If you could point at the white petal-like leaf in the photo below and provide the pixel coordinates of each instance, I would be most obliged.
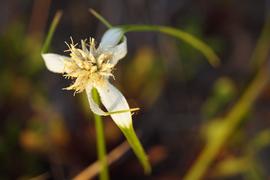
(93, 105)
(110, 38)
(119, 51)
(54, 62)
(113, 100)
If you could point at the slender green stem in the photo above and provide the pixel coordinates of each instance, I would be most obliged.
(50, 34)
(101, 18)
(260, 53)
(101, 146)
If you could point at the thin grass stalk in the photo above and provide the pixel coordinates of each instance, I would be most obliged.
(101, 145)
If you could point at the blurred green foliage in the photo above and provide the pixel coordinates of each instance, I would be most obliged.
(224, 91)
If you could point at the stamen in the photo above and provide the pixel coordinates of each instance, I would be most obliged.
(87, 65)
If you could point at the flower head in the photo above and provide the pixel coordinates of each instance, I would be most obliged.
(91, 67)
(88, 66)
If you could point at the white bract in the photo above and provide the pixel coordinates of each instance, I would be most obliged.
(91, 68)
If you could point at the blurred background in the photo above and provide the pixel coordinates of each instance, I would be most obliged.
(47, 133)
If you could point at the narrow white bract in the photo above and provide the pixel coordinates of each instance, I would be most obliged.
(90, 67)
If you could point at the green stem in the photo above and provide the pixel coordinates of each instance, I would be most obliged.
(101, 18)
(50, 34)
(101, 146)
(260, 53)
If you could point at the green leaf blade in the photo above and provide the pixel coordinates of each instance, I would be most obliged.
(137, 148)
(207, 51)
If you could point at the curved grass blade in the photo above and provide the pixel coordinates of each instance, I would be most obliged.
(212, 58)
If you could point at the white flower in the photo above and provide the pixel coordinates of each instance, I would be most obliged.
(92, 68)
